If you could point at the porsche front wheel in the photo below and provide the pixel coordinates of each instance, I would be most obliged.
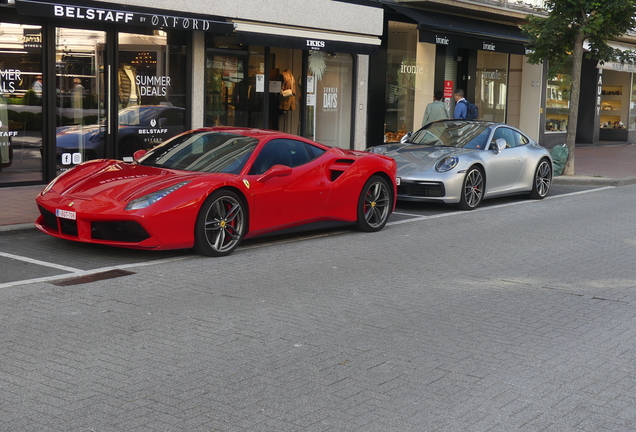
(472, 190)
(220, 225)
(542, 180)
(374, 204)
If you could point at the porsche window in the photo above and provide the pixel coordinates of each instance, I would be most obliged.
(453, 134)
(512, 137)
(204, 151)
(286, 152)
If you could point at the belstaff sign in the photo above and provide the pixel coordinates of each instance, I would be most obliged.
(105, 15)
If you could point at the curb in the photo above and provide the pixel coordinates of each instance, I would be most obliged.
(16, 227)
(581, 180)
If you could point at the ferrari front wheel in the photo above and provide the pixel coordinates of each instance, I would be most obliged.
(472, 190)
(374, 204)
(220, 225)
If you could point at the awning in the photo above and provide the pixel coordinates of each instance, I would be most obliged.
(443, 29)
(297, 38)
(98, 12)
(616, 66)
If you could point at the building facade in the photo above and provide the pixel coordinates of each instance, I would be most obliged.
(431, 46)
(81, 80)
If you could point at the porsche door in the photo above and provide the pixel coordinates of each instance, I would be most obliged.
(504, 169)
(284, 196)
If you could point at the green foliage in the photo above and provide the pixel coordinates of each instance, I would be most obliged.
(597, 21)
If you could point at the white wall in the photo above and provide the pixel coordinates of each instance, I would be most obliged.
(318, 14)
(532, 87)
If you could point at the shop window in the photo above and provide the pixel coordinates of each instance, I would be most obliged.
(329, 98)
(615, 98)
(80, 97)
(402, 70)
(491, 88)
(21, 89)
(151, 81)
(557, 103)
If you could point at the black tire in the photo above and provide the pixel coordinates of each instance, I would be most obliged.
(220, 225)
(542, 180)
(374, 204)
(472, 192)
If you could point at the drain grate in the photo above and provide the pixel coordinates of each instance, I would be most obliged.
(110, 274)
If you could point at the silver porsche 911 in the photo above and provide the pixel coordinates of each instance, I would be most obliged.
(467, 161)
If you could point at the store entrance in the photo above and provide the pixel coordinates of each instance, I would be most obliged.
(81, 98)
(143, 81)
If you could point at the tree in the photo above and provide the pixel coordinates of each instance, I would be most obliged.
(571, 23)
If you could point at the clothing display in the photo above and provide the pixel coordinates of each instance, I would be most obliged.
(288, 85)
(128, 88)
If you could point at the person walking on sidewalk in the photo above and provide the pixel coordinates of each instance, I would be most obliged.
(436, 110)
(460, 108)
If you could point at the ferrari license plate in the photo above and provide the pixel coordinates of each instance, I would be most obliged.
(65, 214)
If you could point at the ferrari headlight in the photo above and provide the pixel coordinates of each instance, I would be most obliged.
(49, 186)
(447, 164)
(151, 198)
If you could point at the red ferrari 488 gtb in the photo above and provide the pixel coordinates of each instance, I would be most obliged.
(209, 188)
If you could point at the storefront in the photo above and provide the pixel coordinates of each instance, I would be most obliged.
(425, 51)
(607, 104)
(85, 82)
(80, 81)
(284, 79)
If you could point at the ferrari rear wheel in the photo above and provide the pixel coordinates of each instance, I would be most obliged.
(542, 180)
(472, 190)
(374, 205)
(220, 225)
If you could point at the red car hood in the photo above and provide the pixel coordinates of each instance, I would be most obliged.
(122, 182)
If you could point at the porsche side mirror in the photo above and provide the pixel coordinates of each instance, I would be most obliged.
(275, 171)
(139, 154)
(500, 144)
(407, 136)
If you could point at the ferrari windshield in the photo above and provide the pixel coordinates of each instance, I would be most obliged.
(204, 151)
(453, 133)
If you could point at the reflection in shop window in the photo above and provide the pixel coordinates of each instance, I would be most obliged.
(491, 91)
(20, 103)
(329, 96)
(557, 103)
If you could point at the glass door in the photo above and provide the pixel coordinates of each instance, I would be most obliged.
(228, 90)
(81, 96)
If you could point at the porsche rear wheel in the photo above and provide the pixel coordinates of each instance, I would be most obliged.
(220, 225)
(472, 190)
(374, 205)
(542, 180)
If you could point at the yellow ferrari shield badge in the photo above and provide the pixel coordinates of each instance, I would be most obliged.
(247, 184)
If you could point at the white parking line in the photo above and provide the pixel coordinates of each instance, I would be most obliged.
(77, 272)
(38, 262)
(420, 217)
(73, 272)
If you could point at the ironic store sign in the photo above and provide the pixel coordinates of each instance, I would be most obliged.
(105, 15)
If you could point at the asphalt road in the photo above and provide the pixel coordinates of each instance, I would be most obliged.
(517, 316)
(32, 256)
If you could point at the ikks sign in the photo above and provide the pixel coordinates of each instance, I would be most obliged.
(105, 15)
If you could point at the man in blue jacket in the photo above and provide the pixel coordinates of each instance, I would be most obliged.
(460, 108)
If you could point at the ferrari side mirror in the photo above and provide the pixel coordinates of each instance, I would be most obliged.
(139, 154)
(275, 171)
